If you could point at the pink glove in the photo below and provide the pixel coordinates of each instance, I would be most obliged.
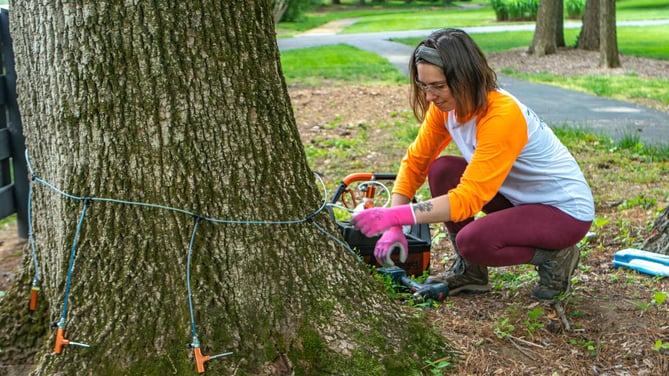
(390, 240)
(374, 221)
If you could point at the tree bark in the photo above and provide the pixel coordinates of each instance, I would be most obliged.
(588, 39)
(559, 25)
(544, 40)
(608, 48)
(658, 240)
(169, 125)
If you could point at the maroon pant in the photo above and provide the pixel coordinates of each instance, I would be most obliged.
(507, 234)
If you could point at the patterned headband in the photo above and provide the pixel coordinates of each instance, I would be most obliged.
(429, 55)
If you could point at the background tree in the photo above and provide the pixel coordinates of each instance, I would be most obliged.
(544, 41)
(183, 106)
(608, 39)
(588, 38)
(295, 10)
(559, 25)
(658, 240)
(278, 9)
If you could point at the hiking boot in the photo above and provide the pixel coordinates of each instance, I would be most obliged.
(555, 269)
(462, 276)
(457, 267)
(472, 280)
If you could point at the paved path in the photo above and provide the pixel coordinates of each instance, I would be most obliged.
(555, 105)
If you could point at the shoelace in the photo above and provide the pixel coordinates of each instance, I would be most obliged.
(458, 266)
(545, 271)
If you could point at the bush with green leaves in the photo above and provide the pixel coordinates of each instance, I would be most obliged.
(295, 10)
(515, 10)
(526, 10)
(574, 8)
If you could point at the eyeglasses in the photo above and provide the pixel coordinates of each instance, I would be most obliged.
(435, 88)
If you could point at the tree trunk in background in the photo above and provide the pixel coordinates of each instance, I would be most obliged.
(559, 25)
(658, 241)
(544, 40)
(278, 9)
(588, 39)
(608, 47)
(183, 105)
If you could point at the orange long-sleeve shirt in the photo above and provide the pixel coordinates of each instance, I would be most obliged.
(508, 150)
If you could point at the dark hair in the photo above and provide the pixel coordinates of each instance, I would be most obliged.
(468, 75)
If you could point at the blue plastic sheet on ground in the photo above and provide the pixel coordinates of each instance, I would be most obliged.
(651, 263)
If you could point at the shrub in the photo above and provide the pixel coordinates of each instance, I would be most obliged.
(515, 10)
(574, 8)
(295, 10)
(501, 11)
(526, 10)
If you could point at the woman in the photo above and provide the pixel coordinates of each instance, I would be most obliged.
(537, 202)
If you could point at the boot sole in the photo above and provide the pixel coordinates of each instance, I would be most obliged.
(469, 289)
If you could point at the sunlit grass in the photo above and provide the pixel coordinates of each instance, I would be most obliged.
(642, 10)
(427, 20)
(646, 41)
(621, 87)
(313, 66)
(417, 15)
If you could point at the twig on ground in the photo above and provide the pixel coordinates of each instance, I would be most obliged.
(563, 317)
(521, 349)
(525, 342)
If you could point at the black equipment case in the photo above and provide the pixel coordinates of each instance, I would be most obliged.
(418, 238)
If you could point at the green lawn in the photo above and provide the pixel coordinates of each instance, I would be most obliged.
(344, 63)
(643, 41)
(337, 63)
(397, 15)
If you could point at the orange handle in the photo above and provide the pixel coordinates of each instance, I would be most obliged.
(60, 341)
(33, 298)
(358, 176)
(200, 359)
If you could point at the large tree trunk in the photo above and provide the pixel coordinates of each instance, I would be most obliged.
(608, 48)
(544, 40)
(588, 39)
(559, 25)
(658, 241)
(182, 106)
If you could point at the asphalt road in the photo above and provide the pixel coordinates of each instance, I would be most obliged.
(557, 106)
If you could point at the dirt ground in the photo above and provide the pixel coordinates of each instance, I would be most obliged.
(11, 254)
(613, 324)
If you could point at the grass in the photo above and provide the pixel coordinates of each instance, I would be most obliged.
(418, 15)
(501, 41)
(327, 12)
(642, 10)
(627, 162)
(647, 41)
(344, 62)
(423, 21)
(643, 41)
(338, 62)
(621, 87)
